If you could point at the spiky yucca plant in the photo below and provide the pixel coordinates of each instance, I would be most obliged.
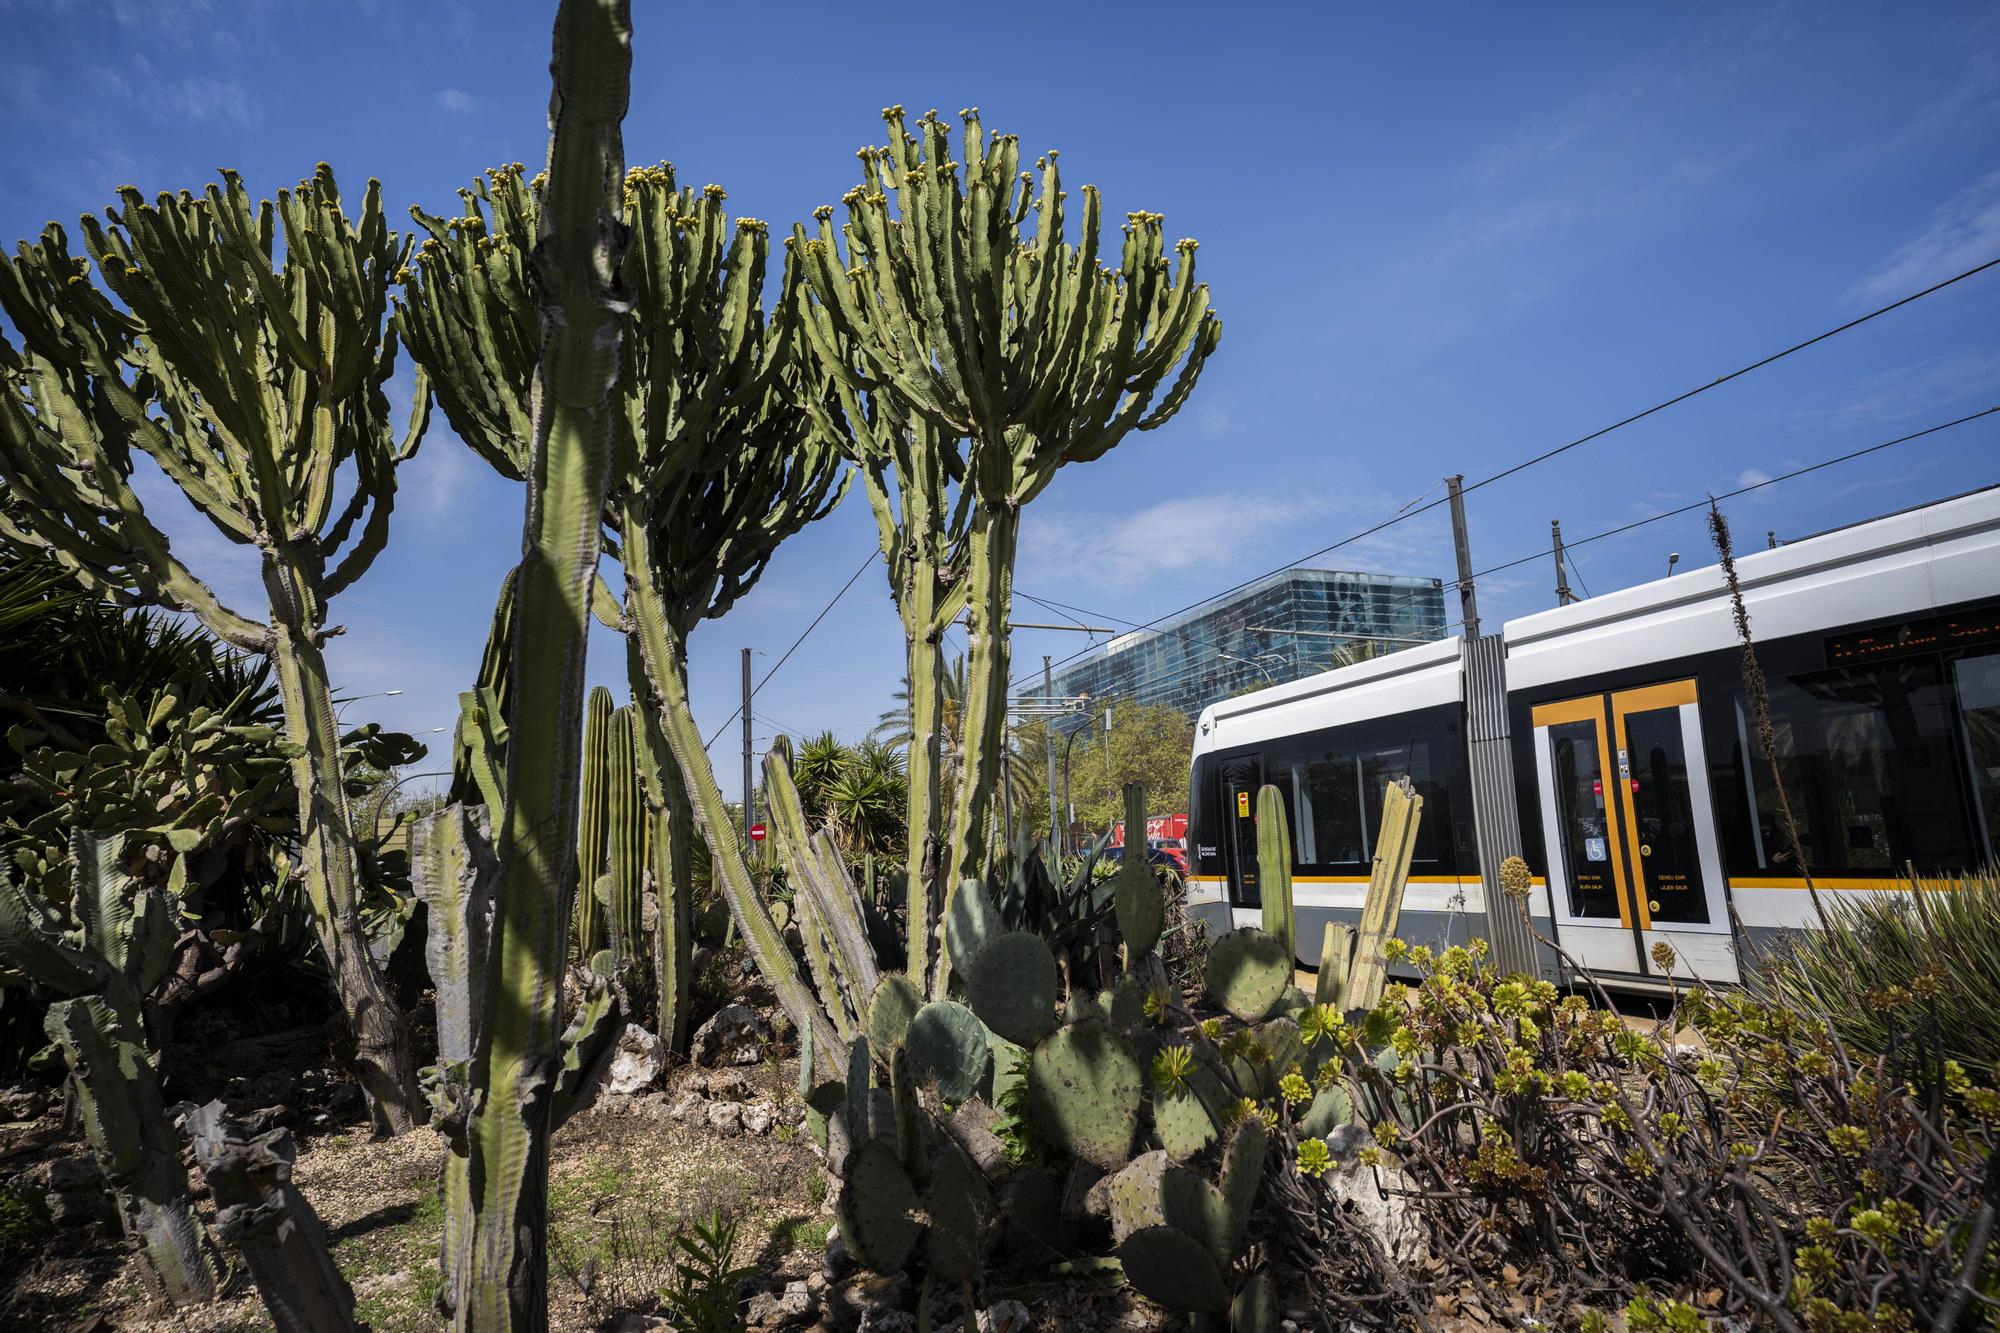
(1884, 956)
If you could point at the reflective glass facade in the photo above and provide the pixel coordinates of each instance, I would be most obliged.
(1268, 633)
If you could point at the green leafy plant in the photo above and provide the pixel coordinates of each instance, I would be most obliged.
(701, 1297)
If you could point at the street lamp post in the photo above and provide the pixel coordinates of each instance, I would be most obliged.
(379, 694)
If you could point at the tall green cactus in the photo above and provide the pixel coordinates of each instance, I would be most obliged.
(716, 462)
(594, 822)
(255, 376)
(622, 889)
(1022, 346)
(1274, 868)
(517, 1069)
(121, 951)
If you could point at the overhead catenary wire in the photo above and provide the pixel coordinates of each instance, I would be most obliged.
(1569, 544)
(737, 711)
(1412, 510)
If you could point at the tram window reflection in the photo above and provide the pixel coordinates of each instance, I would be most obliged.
(1978, 681)
(1865, 759)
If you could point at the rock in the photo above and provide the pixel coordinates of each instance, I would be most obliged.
(851, 1304)
(76, 1194)
(725, 1118)
(774, 1310)
(735, 1036)
(688, 1107)
(728, 1085)
(23, 1103)
(346, 1102)
(889, 1321)
(637, 1063)
(643, 1323)
(695, 1081)
(1006, 1317)
(269, 1118)
(653, 1106)
(758, 1118)
(1396, 1226)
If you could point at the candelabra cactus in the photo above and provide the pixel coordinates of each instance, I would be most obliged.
(716, 465)
(509, 1071)
(106, 967)
(1025, 348)
(255, 375)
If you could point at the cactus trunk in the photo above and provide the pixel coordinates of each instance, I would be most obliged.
(382, 1053)
(924, 770)
(517, 1059)
(665, 655)
(669, 860)
(1274, 867)
(995, 533)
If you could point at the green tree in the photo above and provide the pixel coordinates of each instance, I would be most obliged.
(1149, 743)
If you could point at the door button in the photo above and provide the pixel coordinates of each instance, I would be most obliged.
(1652, 905)
(1645, 849)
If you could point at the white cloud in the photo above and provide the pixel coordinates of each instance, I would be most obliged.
(1962, 232)
(1175, 536)
(1753, 477)
(198, 99)
(457, 102)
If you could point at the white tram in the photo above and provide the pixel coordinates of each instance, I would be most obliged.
(1610, 743)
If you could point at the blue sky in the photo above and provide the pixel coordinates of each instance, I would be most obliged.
(1442, 238)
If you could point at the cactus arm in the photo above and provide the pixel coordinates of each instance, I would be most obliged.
(125, 1122)
(840, 1005)
(593, 822)
(587, 1047)
(262, 1213)
(30, 941)
(664, 654)
(833, 903)
(991, 582)
(626, 827)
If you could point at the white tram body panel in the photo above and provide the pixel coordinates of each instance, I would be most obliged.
(1639, 789)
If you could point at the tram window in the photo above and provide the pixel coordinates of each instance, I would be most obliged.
(1583, 824)
(1978, 680)
(1865, 758)
(1331, 795)
(1379, 768)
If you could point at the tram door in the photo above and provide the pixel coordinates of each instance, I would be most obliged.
(1241, 779)
(1633, 858)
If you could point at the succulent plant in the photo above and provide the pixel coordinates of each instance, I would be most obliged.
(594, 817)
(243, 346)
(1142, 911)
(1248, 973)
(1182, 1235)
(105, 965)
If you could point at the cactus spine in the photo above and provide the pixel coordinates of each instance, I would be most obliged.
(257, 384)
(122, 950)
(594, 821)
(1025, 348)
(1274, 868)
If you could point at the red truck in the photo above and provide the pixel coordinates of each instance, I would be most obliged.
(1165, 834)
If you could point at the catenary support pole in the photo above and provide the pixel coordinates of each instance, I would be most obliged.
(1563, 595)
(749, 790)
(1049, 752)
(1468, 602)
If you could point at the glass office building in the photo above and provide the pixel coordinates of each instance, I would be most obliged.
(1280, 628)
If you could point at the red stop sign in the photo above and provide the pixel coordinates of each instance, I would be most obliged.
(756, 833)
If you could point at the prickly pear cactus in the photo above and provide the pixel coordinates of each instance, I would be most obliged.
(948, 1045)
(1011, 985)
(1248, 973)
(1085, 1089)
